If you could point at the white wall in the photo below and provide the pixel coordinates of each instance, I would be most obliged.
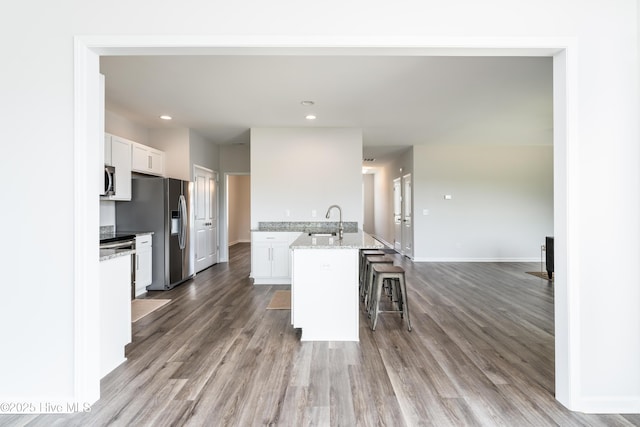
(183, 148)
(202, 153)
(117, 125)
(383, 202)
(501, 207)
(369, 200)
(41, 128)
(107, 213)
(296, 171)
(175, 144)
(235, 158)
(239, 209)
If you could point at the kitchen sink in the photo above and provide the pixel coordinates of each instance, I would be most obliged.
(324, 233)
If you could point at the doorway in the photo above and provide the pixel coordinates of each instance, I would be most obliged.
(87, 51)
(407, 216)
(403, 215)
(238, 191)
(397, 216)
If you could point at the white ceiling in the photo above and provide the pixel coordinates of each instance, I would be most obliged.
(397, 101)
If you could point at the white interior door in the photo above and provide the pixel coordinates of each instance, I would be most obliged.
(407, 217)
(397, 215)
(205, 217)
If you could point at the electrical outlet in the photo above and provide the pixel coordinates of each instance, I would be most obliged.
(314, 213)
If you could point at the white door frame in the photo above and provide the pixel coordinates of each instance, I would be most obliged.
(396, 190)
(407, 232)
(87, 50)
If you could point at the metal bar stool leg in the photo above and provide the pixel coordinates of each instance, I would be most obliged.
(375, 307)
(405, 306)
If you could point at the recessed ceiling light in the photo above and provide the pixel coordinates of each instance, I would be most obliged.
(165, 117)
(307, 103)
(310, 117)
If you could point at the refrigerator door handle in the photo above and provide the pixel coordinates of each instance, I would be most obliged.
(182, 207)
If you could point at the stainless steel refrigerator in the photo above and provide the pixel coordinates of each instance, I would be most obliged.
(163, 206)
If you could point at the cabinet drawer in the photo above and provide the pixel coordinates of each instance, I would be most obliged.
(265, 237)
(274, 236)
(143, 241)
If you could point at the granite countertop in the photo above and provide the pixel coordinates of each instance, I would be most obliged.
(357, 240)
(109, 232)
(113, 235)
(106, 254)
(306, 226)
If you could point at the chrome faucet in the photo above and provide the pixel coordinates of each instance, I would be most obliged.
(340, 227)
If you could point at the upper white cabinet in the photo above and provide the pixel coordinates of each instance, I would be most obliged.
(117, 153)
(147, 160)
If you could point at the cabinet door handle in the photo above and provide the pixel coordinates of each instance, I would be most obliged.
(150, 162)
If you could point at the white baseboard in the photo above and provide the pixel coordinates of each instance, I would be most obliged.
(609, 405)
(239, 241)
(429, 259)
(263, 281)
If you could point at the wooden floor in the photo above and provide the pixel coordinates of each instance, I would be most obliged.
(481, 353)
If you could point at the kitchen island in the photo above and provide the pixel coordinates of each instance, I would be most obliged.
(324, 285)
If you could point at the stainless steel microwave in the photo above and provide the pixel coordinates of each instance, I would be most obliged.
(109, 181)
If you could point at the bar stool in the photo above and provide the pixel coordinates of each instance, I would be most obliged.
(388, 273)
(361, 264)
(365, 289)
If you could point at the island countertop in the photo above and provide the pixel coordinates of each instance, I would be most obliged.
(357, 240)
(106, 254)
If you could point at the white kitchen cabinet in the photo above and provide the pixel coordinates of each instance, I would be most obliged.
(144, 263)
(147, 160)
(270, 257)
(117, 153)
(115, 311)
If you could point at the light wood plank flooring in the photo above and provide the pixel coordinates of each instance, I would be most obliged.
(481, 353)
